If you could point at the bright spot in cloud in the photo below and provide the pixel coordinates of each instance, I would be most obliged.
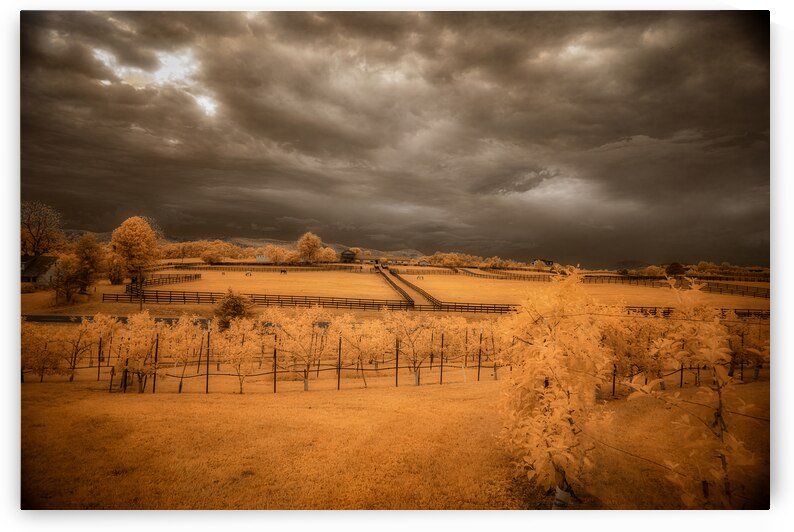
(175, 69)
(207, 104)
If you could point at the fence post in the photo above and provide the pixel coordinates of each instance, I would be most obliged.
(156, 350)
(339, 364)
(201, 350)
(99, 359)
(479, 357)
(432, 334)
(207, 384)
(396, 361)
(614, 376)
(441, 378)
(275, 354)
(110, 349)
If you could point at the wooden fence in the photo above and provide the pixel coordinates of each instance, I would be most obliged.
(507, 276)
(350, 268)
(201, 298)
(396, 287)
(162, 279)
(424, 271)
(443, 306)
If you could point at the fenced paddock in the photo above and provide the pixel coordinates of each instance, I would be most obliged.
(155, 279)
(507, 291)
(307, 283)
(171, 297)
(256, 267)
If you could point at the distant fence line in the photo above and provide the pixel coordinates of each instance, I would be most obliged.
(397, 288)
(651, 282)
(735, 289)
(424, 271)
(183, 297)
(507, 276)
(443, 306)
(352, 268)
(161, 279)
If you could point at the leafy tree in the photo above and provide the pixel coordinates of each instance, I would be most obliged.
(309, 246)
(66, 278)
(141, 341)
(38, 354)
(116, 268)
(77, 342)
(302, 334)
(699, 337)
(276, 254)
(558, 362)
(216, 251)
(232, 306)
(180, 342)
(327, 255)
(237, 345)
(363, 342)
(413, 333)
(90, 260)
(675, 268)
(136, 243)
(41, 228)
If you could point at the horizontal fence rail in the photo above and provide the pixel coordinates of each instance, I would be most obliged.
(75, 319)
(443, 306)
(162, 279)
(424, 271)
(507, 276)
(171, 296)
(397, 288)
(351, 268)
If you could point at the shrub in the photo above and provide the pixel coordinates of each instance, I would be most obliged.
(232, 306)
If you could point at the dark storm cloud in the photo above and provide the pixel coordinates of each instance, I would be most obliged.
(585, 137)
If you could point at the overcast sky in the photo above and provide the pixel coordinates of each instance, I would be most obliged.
(580, 137)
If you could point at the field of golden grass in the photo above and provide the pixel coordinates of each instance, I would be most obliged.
(459, 288)
(295, 283)
(379, 448)
(340, 284)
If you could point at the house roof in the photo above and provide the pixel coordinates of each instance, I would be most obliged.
(35, 266)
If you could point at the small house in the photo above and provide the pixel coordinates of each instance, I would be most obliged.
(347, 256)
(37, 270)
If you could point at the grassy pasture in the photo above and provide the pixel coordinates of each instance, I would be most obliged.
(295, 283)
(357, 285)
(379, 448)
(459, 288)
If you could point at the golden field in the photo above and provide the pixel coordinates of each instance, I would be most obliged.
(428, 447)
(459, 288)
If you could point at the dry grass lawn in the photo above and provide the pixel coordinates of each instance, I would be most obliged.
(378, 448)
(295, 283)
(473, 290)
(390, 448)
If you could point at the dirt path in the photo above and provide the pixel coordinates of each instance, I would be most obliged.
(418, 298)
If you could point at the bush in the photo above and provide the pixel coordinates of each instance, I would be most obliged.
(28, 288)
(232, 306)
